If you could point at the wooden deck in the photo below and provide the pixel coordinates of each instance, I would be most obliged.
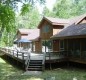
(48, 57)
(21, 56)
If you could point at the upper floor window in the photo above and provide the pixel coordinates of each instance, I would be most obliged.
(46, 28)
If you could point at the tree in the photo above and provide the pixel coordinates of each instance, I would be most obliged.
(69, 8)
(29, 4)
(33, 18)
(7, 13)
(47, 12)
(7, 19)
(29, 20)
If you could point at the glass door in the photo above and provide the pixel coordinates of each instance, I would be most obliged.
(46, 45)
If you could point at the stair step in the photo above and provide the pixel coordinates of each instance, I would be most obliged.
(35, 66)
(34, 69)
(35, 63)
(36, 60)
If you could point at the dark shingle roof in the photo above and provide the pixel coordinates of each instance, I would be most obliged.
(73, 30)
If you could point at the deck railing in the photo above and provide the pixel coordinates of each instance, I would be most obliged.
(27, 61)
(57, 54)
(46, 55)
(14, 53)
(43, 62)
(81, 55)
(74, 54)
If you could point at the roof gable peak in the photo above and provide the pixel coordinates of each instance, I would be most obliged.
(53, 21)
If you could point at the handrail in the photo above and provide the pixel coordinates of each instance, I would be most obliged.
(43, 62)
(27, 61)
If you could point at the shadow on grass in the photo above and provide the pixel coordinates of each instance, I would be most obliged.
(9, 72)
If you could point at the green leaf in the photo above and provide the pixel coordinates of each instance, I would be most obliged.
(25, 9)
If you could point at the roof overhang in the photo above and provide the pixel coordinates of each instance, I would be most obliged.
(53, 22)
(68, 37)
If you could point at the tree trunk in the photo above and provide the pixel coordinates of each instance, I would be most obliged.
(1, 31)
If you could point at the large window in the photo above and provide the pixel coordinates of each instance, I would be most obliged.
(46, 28)
(46, 46)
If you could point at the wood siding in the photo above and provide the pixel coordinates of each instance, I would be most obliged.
(46, 35)
(55, 45)
(53, 29)
(38, 47)
(84, 21)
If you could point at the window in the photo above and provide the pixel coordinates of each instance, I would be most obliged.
(46, 28)
(46, 45)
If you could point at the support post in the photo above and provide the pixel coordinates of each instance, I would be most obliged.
(17, 54)
(23, 56)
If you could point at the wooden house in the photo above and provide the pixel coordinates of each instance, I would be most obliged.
(49, 27)
(35, 38)
(22, 34)
(32, 35)
(73, 40)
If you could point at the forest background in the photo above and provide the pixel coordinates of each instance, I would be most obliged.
(28, 16)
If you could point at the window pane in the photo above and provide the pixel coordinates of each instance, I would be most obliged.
(46, 28)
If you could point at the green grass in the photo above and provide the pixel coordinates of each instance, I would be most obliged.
(8, 72)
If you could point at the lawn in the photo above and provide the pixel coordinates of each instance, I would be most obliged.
(8, 72)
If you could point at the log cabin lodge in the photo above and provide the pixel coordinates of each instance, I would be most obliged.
(55, 40)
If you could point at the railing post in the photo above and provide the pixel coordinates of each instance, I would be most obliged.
(27, 60)
(23, 56)
(17, 54)
(49, 56)
(43, 62)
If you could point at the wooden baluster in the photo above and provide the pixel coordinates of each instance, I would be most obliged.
(43, 62)
(49, 55)
(22, 55)
(17, 54)
(27, 61)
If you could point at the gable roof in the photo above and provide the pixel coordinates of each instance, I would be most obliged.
(25, 31)
(80, 18)
(34, 36)
(76, 19)
(75, 29)
(54, 21)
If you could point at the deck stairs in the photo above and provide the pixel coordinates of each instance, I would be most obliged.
(35, 62)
